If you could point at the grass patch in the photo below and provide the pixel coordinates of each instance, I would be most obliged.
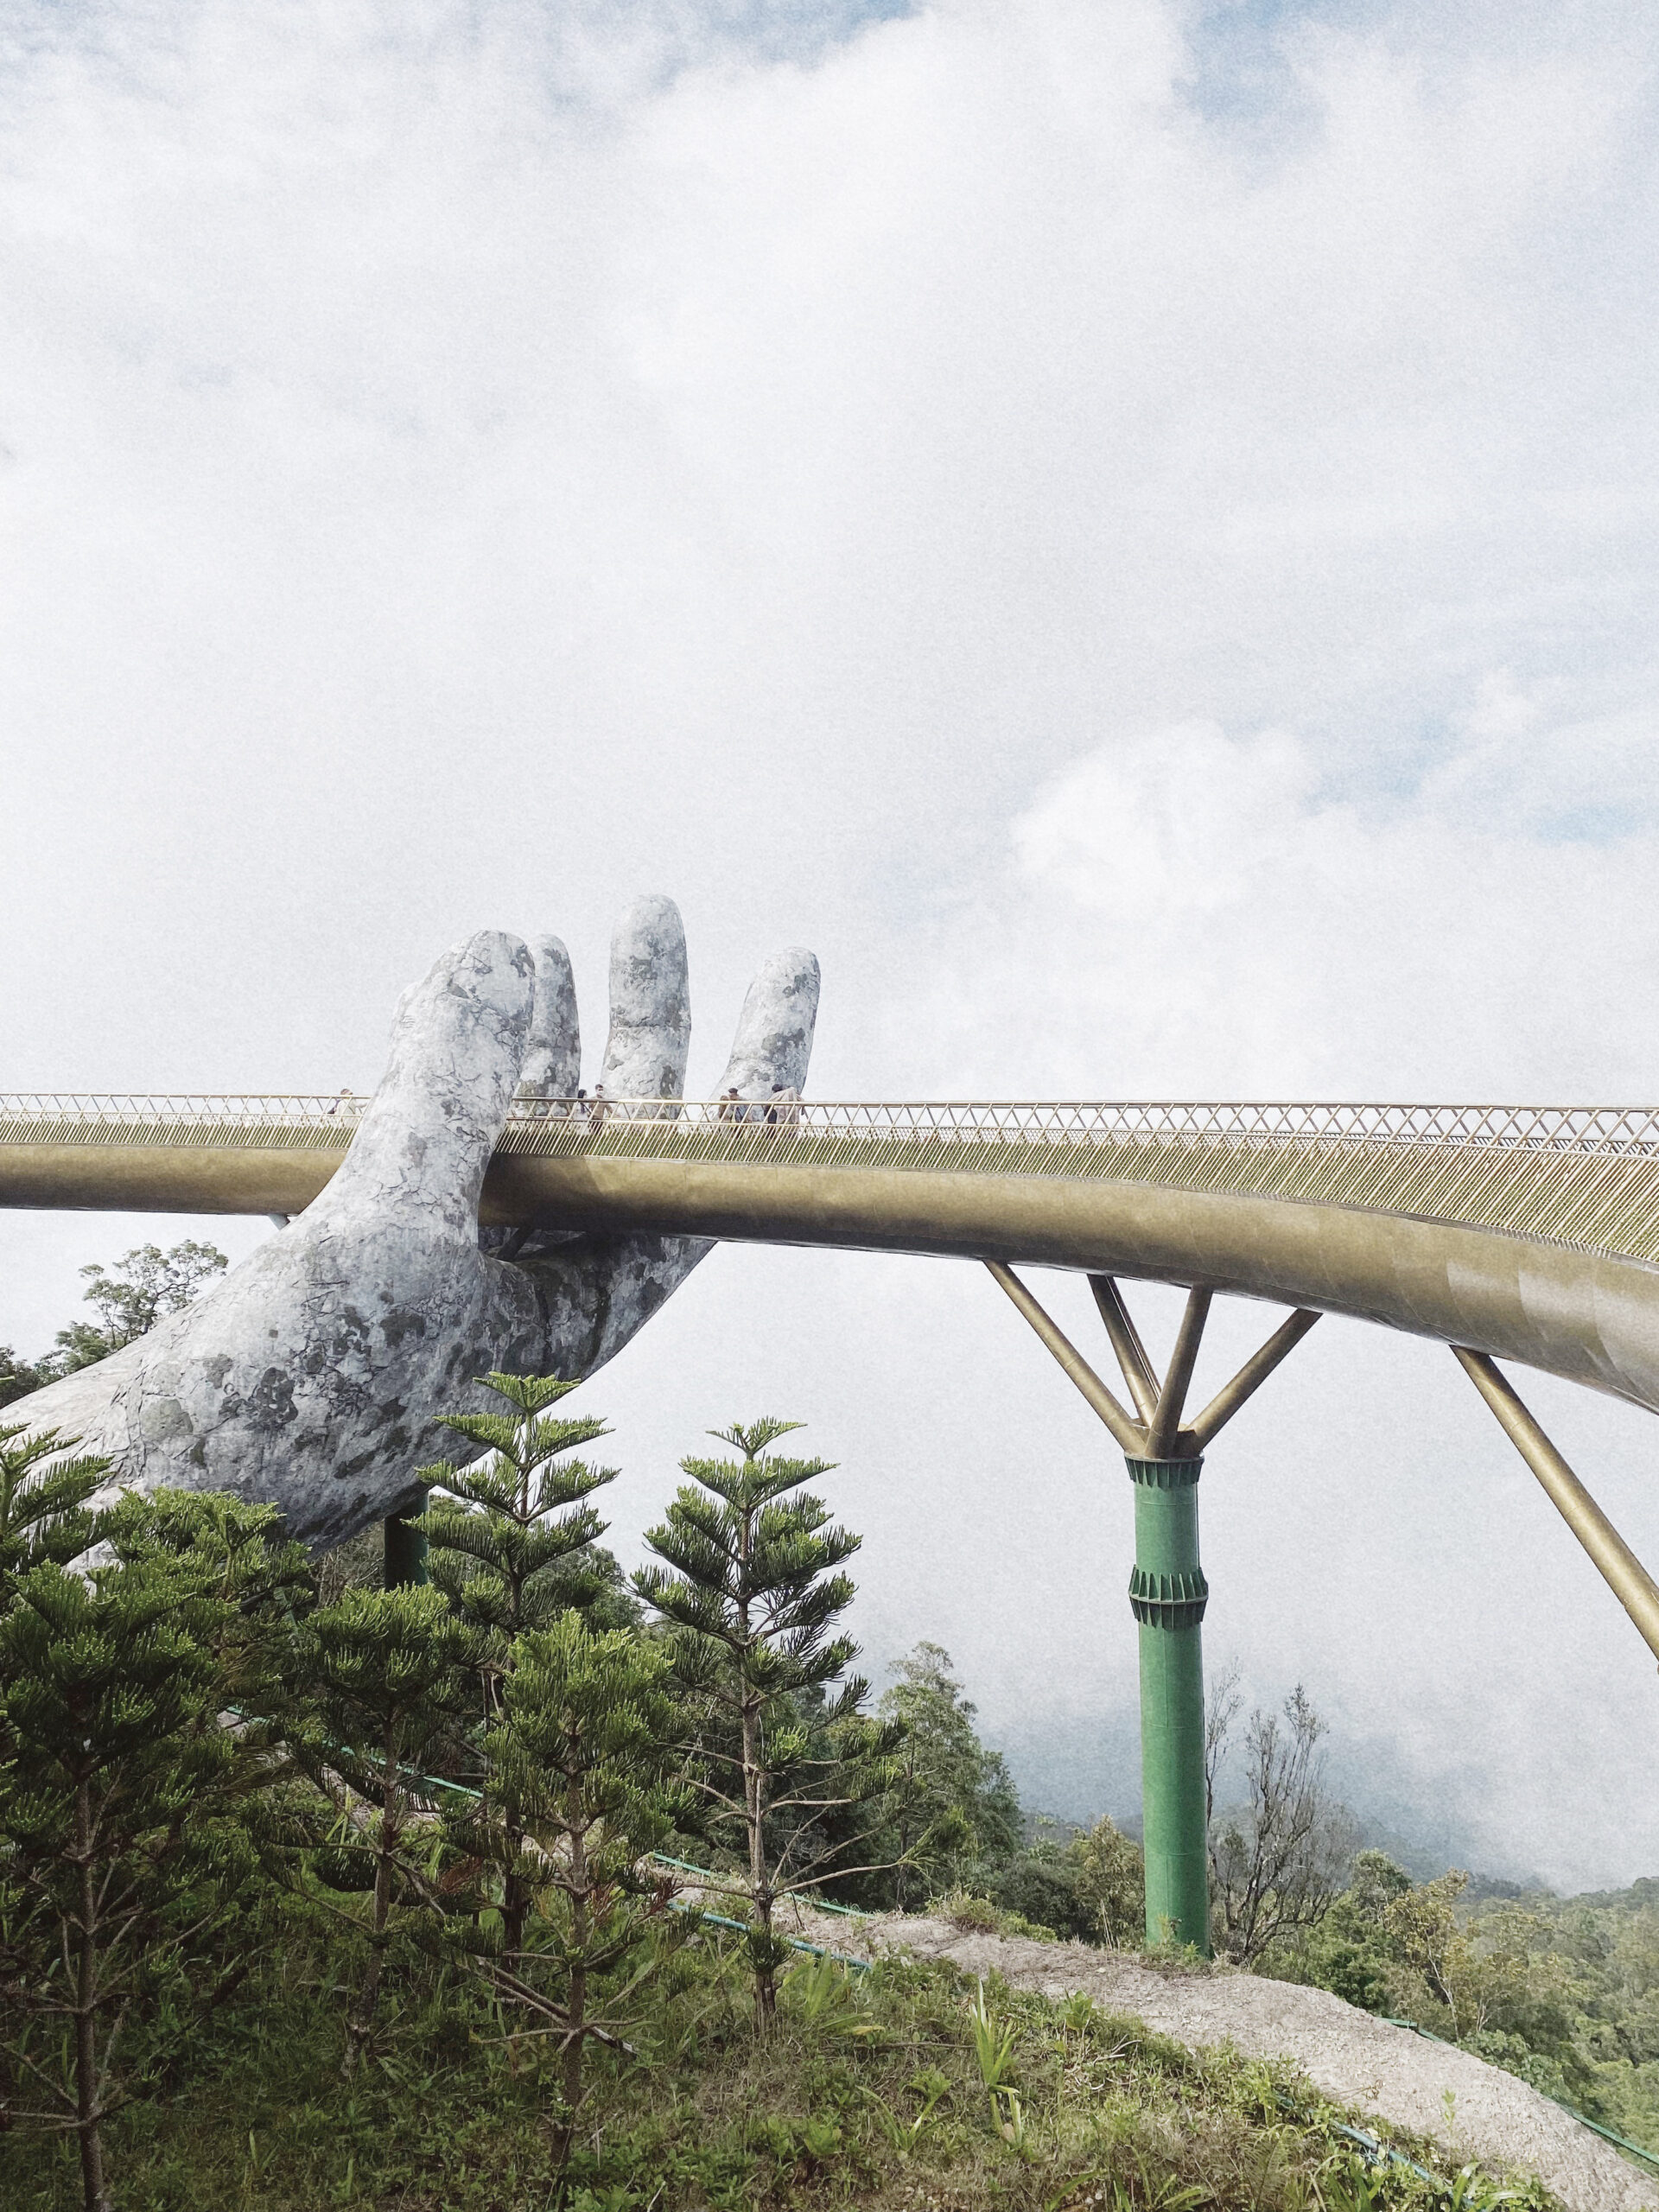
(880, 2090)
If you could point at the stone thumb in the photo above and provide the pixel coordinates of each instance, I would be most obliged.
(457, 1044)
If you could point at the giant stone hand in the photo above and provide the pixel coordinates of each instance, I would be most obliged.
(312, 1375)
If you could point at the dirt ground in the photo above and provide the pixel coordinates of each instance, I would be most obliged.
(1474, 2110)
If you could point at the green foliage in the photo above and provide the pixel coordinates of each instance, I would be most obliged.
(1352, 1952)
(261, 1585)
(963, 1908)
(751, 1589)
(18, 1377)
(821, 1990)
(993, 2041)
(43, 1497)
(1277, 1861)
(952, 1802)
(710, 2119)
(1110, 1878)
(951, 1827)
(128, 1814)
(477, 1939)
(1085, 1886)
(511, 1543)
(581, 1787)
(510, 1537)
(388, 1683)
(143, 1287)
(358, 1563)
(1565, 1995)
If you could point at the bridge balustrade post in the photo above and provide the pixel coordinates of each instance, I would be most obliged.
(1167, 1595)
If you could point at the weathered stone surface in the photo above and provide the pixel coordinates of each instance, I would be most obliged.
(312, 1375)
(552, 1063)
(650, 1004)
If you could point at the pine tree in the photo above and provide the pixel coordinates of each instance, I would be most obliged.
(43, 1496)
(388, 1676)
(754, 1595)
(262, 1586)
(510, 1536)
(581, 1789)
(128, 1815)
(511, 1541)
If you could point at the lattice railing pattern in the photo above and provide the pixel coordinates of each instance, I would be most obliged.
(1582, 1176)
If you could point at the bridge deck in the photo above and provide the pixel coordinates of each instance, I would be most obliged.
(1585, 1178)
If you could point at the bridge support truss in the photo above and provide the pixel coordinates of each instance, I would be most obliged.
(1167, 1590)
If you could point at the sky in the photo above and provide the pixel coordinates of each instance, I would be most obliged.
(1129, 526)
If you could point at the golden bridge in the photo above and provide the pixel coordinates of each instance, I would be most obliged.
(1532, 1233)
(1528, 1234)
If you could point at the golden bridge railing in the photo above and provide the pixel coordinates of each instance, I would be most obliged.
(1586, 1177)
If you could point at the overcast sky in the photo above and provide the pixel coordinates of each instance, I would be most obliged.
(1127, 525)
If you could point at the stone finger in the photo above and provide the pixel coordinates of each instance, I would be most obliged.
(552, 1063)
(773, 1043)
(650, 1003)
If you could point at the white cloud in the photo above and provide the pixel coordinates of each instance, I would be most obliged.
(1193, 914)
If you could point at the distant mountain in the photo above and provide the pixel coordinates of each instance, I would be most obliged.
(1074, 1768)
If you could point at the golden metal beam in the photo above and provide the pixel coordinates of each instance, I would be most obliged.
(1591, 1316)
(1127, 1434)
(1625, 1574)
(164, 1179)
(1250, 1378)
(1172, 1399)
(1126, 1343)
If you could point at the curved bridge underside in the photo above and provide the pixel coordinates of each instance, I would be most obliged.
(1531, 1234)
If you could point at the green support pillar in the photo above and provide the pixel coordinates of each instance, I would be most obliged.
(1167, 1595)
(1167, 1590)
(406, 1554)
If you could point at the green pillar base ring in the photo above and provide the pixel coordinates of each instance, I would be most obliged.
(1164, 1474)
(1168, 1600)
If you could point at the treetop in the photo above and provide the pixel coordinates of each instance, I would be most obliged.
(532, 1394)
(753, 1438)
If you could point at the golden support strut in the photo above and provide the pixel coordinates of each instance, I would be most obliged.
(1172, 1399)
(1126, 1343)
(1126, 1431)
(1158, 1434)
(1250, 1378)
(1625, 1574)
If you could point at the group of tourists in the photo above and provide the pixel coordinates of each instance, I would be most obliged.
(782, 1109)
